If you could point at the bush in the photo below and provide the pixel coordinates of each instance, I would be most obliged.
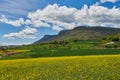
(115, 39)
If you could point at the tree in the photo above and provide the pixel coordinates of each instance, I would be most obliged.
(115, 39)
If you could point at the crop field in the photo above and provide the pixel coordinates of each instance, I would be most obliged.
(102, 67)
(39, 52)
(1, 52)
(19, 51)
(71, 48)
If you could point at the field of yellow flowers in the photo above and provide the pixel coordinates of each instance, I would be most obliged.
(102, 67)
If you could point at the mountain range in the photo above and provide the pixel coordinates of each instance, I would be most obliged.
(81, 33)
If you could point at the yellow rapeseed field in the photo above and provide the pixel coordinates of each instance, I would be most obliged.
(19, 51)
(102, 67)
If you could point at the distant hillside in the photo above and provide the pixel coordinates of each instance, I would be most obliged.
(45, 39)
(81, 33)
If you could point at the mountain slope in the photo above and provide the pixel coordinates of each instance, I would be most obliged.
(82, 33)
(45, 39)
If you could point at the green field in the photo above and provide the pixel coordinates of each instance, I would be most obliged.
(1, 52)
(58, 49)
(36, 53)
(102, 67)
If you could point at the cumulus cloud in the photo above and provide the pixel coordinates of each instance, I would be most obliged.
(58, 15)
(113, 1)
(63, 17)
(37, 23)
(17, 23)
(56, 27)
(68, 18)
(26, 33)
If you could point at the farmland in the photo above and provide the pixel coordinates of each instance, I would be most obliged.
(56, 49)
(60, 40)
(39, 53)
(102, 67)
(81, 60)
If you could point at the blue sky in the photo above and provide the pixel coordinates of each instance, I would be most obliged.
(26, 21)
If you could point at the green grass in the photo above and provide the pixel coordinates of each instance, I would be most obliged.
(78, 44)
(103, 67)
(35, 53)
(1, 52)
(84, 44)
(73, 48)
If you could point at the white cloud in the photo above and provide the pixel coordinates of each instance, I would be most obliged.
(37, 23)
(58, 15)
(26, 33)
(62, 17)
(113, 1)
(57, 28)
(68, 18)
(17, 23)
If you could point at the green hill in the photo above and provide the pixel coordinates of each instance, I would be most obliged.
(81, 33)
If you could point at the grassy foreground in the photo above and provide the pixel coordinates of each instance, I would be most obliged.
(102, 67)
